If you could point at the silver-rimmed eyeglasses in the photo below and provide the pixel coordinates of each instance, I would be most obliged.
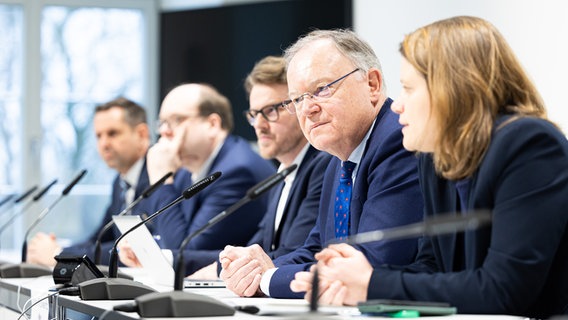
(172, 122)
(321, 92)
(269, 113)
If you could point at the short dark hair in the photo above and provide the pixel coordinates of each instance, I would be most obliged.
(134, 114)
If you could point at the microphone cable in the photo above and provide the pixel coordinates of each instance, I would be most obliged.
(23, 313)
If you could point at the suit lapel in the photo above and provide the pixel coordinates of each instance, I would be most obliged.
(143, 181)
(270, 236)
(275, 236)
(448, 242)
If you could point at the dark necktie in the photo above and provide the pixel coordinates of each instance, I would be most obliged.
(343, 200)
(124, 186)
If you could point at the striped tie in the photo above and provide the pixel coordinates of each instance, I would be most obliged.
(124, 186)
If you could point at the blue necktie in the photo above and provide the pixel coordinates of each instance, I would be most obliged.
(343, 200)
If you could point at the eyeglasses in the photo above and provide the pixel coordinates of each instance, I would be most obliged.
(319, 93)
(269, 113)
(172, 122)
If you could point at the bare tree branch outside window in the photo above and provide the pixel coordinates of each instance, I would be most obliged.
(89, 56)
(10, 94)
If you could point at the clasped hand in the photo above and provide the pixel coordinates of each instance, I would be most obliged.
(344, 275)
(242, 269)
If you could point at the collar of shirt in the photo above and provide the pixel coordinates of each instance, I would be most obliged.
(298, 160)
(288, 181)
(133, 174)
(358, 153)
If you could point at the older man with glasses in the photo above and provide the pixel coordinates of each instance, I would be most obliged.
(195, 125)
(337, 92)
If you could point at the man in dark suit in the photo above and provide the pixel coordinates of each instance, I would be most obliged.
(337, 92)
(123, 139)
(195, 125)
(293, 205)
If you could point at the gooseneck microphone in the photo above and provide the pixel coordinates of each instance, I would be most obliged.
(430, 226)
(3, 273)
(19, 199)
(190, 192)
(113, 288)
(48, 209)
(7, 199)
(44, 190)
(27, 270)
(22, 198)
(178, 303)
(25, 194)
(145, 194)
(253, 193)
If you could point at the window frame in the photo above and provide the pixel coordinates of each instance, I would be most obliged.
(30, 127)
(31, 87)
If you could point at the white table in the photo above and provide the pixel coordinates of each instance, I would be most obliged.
(15, 292)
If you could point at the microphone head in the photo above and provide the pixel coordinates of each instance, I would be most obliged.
(289, 170)
(44, 190)
(265, 185)
(146, 193)
(74, 182)
(25, 194)
(6, 199)
(200, 185)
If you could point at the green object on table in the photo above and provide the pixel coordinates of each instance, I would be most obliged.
(405, 314)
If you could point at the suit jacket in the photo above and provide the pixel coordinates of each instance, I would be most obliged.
(241, 168)
(107, 240)
(386, 194)
(301, 209)
(300, 212)
(519, 264)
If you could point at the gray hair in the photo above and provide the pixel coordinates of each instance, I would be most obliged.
(346, 41)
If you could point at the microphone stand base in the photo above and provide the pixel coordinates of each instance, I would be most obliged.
(23, 270)
(112, 289)
(180, 304)
(120, 274)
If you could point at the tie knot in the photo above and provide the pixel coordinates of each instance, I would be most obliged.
(348, 167)
(124, 185)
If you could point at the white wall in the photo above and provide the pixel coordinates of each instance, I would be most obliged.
(536, 30)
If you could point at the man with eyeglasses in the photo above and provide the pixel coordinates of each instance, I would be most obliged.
(195, 125)
(123, 138)
(337, 91)
(292, 209)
